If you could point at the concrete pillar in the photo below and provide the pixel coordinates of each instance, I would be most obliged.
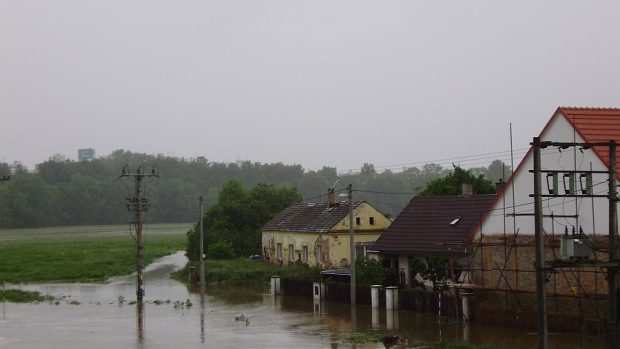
(403, 265)
(391, 297)
(375, 317)
(391, 319)
(317, 291)
(316, 306)
(275, 285)
(374, 295)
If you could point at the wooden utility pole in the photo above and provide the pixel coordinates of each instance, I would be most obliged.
(202, 252)
(138, 203)
(612, 271)
(352, 246)
(540, 250)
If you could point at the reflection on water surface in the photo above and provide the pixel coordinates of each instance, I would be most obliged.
(240, 317)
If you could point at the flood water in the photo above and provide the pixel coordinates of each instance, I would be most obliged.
(100, 316)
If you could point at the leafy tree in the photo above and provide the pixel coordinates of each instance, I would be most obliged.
(237, 217)
(66, 192)
(496, 171)
(453, 182)
(434, 269)
(221, 250)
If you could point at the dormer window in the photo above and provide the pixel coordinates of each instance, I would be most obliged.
(455, 221)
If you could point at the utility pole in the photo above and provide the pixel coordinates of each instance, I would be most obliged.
(612, 271)
(138, 203)
(540, 250)
(352, 246)
(571, 190)
(202, 252)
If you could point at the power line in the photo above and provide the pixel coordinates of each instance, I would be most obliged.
(500, 155)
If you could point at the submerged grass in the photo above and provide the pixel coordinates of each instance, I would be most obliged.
(243, 271)
(461, 345)
(19, 296)
(91, 256)
(390, 340)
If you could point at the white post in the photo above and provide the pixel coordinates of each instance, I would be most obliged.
(465, 302)
(391, 297)
(275, 285)
(403, 265)
(375, 317)
(374, 295)
(389, 301)
(391, 319)
(316, 291)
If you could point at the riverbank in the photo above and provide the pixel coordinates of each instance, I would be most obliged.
(79, 254)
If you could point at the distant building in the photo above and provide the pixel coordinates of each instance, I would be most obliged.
(317, 234)
(86, 154)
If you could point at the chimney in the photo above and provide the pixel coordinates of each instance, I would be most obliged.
(499, 186)
(467, 189)
(330, 197)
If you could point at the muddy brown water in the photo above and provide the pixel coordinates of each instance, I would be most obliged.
(95, 316)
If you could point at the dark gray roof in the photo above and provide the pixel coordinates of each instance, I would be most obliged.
(309, 217)
(424, 227)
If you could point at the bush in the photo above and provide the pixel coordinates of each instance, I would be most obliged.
(221, 250)
(369, 271)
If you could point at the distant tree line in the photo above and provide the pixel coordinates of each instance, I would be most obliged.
(65, 192)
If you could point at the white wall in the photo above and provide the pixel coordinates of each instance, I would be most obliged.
(559, 130)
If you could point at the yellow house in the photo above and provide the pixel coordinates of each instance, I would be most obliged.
(318, 233)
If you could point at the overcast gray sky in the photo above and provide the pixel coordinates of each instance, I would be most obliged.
(312, 82)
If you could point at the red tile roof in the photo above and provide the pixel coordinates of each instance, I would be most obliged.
(424, 227)
(596, 125)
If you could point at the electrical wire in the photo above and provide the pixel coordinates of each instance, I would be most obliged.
(466, 160)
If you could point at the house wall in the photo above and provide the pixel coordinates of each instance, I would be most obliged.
(364, 211)
(334, 244)
(593, 220)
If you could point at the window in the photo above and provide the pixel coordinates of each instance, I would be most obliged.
(371, 220)
(304, 254)
(291, 253)
(360, 251)
(455, 221)
(279, 252)
(318, 251)
(358, 220)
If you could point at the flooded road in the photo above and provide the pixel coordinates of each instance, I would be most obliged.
(101, 316)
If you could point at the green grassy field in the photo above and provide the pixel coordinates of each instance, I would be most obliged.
(84, 253)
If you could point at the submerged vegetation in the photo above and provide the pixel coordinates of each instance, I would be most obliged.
(84, 257)
(391, 339)
(243, 271)
(19, 296)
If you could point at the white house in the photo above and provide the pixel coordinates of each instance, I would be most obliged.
(501, 267)
(566, 125)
